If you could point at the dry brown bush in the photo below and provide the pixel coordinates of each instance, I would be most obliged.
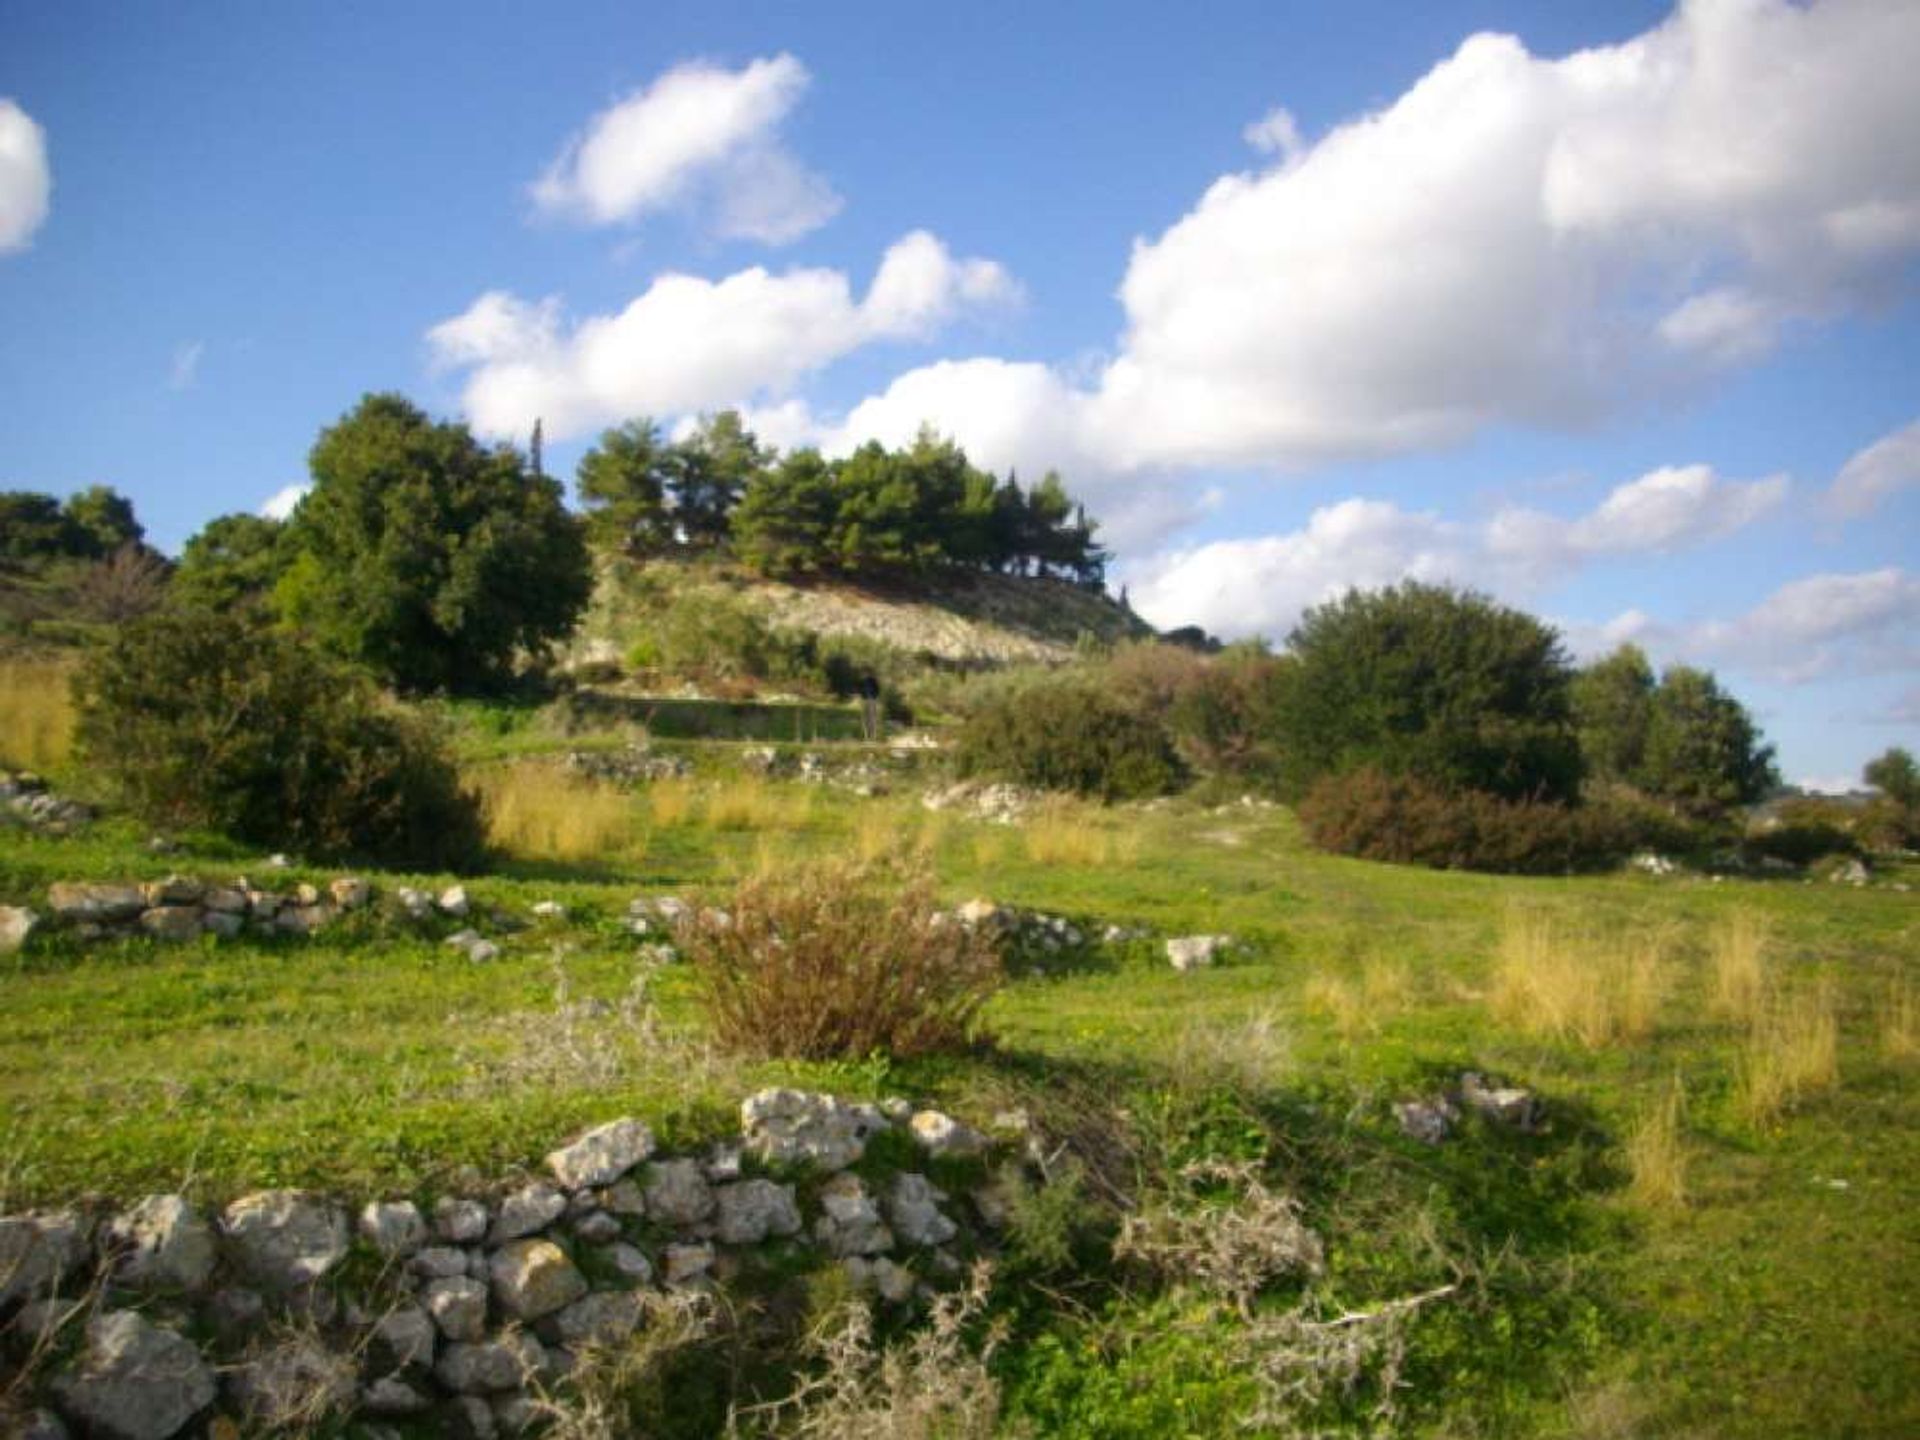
(840, 959)
(1235, 1250)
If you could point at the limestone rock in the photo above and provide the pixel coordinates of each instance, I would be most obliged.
(395, 1228)
(530, 1208)
(102, 904)
(162, 1243)
(940, 1134)
(603, 1319)
(505, 1363)
(602, 1155)
(1502, 1104)
(350, 892)
(37, 1252)
(235, 1314)
(299, 1382)
(284, 1239)
(17, 924)
(1193, 952)
(850, 1222)
(792, 1127)
(752, 1210)
(225, 900)
(218, 922)
(302, 919)
(678, 1193)
(461, 1221)
(171, 922)
(175, 890)
(135, 1380)
(469, 1417)
(598, 1228)
(532, 1278)
(516, 1414)
(393, 1398)
(454, 901)
(624, 1197)
(405, 1337)
(437, 1262)
(629, 1262)
(913, 1209)
(1428, 1121)
(458, 1305)
(880, 1276)
(687, 1263)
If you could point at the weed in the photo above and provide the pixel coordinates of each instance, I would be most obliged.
(1060, 832)
(1739, 966)
(750, 803)
(1791, 1051)
(1234, 1250)
(539, 811)
(1900, 1021)
(36, 713)
(610, 1386)
(1596, 993)
(670, 801)
(1657, 1155)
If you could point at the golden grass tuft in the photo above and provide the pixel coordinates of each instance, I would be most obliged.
(1738, 953)
(36, 713)
(1063, 832)
(1657, 1155)
(670, 802)
(1597, 992)
(1900, 1021)
(540, 812)
(1359, 1006)
(1791, 1052)
(748, 802)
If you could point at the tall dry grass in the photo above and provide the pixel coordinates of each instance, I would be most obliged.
(36, 713)
(670, 802)
(1900, 1021)
(1359, 1006)
(1791, 1052)
(1737, 955)
(1064, 832)
(1590, 989)
(1596, 990)
(1656, 1153)
(540, 812)
(748, 802)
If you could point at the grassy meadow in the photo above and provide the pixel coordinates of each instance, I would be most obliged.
(1715, 1234)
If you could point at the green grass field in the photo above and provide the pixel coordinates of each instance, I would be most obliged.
(1779, 1297)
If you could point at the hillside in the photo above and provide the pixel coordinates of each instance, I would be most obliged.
(963, 619)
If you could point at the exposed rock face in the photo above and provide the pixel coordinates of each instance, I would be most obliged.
(940, 1134)
(300, 1382)
(395, 1228)
(752, 1210)
(1195, 952)
(850, 1222)
(284, 1239)
(602, 1155)
(532, 1278)
(793, 1127)
(678, 1194)
(162, 1243)
(135, 1381)
(530, 1208)
(913, 1208)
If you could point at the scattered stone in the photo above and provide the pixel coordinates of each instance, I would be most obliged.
(17, 924)
(395, 1228)
(436, 1262)
(454, 901)
(752, 1210)
(1648, 863)
(940, 1134)
(161, 1244)
(171, 922)
(913, 1211)
(678, 1194)
(1504, 1105)
(458, 1305)
(350, 892)
(850, 1222)
(1428, 1121)
(222, 924)
(880, 1276)
(532, 1278)
(598, 1228)
(505, 1363)
(624, 1197)
(687, 1263)
(603, 1319)
(724, 1163)
(549, 910)
(302, 919)
(37, 1252)
(461, 1221)
(405, 1337)
(1193, 952)
(629, 1262)
(284, 1239)
(602, 1155)
(299, 1382)
(530, 1208)
(102, 904)
(393, 1398)
(135, 1380)
(1849, 872)
(278, 862)
(482, 951)
(415, 903)
(793, 1127)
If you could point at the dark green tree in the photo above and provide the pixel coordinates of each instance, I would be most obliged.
(233, 560)
(710, 470)
(1612, 708)
(1895, 775)
(1703, 753)
(433, 560)
(1434, 682)
(33, 526)
(623, 484)
(102, 520)
(784, 525)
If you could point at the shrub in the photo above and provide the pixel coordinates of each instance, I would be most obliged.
(1066, 735)
(1400, 819)
(840, 960)
(227, 724)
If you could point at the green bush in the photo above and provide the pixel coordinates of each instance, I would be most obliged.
(225, 723)
(1375, 816)
(1063, 734)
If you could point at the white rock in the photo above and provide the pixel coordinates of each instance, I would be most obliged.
(532, 1278)
(1193, 952)
(792, 1127)
(530, 1208)
(850, 1222)
(940, 1134)
(350, 892)
(461, 1221)
(913, 1209)
(752, 1210)
(678, 1194)
(395, 1228)
(436, 1262)
(628, 1262)
(17, 924)
(550, 910)
(284, 1239)
(458, 1305)
(602, 1155)
(454, 901)
(482, 951)
(162, 1243)
(405, 1337)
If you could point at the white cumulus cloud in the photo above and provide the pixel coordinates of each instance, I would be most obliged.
(688, 343)
(1260, 585)
(1885, 468)
(26, 179)
(701, 138)
(284, 501)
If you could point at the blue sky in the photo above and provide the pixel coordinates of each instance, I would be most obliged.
(1605, 308)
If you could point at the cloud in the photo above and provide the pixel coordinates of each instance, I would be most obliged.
(700, 138)
(283, 502)
(1275, 133)
(1858, 623)
(688, 344)
(26, 181)
(1260, 585)
(185, 369)
(1885, 468)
